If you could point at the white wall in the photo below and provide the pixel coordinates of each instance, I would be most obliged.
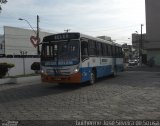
(155, 54)
(18, 62)
(1, 44)
(17, 39)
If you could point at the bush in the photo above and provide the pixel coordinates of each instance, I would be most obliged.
(10, 66)
(35, 66)
(4, 67)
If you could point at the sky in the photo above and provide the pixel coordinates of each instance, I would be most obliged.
(115, 18)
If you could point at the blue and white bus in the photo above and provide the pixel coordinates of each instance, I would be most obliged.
(77, 58)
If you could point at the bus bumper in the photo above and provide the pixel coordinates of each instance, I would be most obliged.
(74, 78)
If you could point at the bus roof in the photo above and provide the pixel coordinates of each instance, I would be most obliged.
(83, 36)
(99, 39)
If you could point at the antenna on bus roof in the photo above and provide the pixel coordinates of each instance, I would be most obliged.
(67, 30)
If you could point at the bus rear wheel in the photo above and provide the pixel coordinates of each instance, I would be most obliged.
(114, 73)
(92, 77)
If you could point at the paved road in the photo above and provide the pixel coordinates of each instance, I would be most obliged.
(131, 95)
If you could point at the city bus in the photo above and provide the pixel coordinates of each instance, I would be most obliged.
(77, 58)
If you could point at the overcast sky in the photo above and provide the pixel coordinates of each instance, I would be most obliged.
(115, 18)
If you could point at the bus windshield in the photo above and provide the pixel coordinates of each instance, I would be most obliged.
(60, 53)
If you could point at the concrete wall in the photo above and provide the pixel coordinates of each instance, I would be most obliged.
(152, 24)
(1, 44)
(19, 69)
(152, 44)
(17, 39)
(155, 54)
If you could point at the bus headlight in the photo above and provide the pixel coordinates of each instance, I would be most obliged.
(76, 70)
(43, 72)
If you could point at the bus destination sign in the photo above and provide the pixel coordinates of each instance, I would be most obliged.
(62, 36)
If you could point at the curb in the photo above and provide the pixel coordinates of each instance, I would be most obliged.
(18, 80)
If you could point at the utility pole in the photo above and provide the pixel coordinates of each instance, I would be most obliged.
(38, 39)
(140, 46)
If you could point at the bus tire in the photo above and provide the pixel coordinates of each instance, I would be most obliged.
(114, 73)
(92, 77)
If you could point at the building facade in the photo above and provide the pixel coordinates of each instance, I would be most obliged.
(16, 48)
(16, 40)
(136, 40)
(127, 50)
(1, 44)
(152, 44)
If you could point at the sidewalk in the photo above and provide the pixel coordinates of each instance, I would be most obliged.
(19, 80)
(143, 68)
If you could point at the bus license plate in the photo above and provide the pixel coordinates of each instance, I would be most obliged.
(57, 79)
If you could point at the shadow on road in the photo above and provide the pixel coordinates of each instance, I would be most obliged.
(35, 90)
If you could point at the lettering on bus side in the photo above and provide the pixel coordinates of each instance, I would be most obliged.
(104, 60)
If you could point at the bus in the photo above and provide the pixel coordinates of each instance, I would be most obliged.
(77, 58)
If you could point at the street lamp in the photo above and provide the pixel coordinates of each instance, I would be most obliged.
(21, 19)
(23, 54)
(37, 33)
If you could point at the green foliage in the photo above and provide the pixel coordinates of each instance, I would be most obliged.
(35, 66)
(2, 2)
(10, 65)
(4, 67)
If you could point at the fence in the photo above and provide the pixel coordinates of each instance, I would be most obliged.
(22, 65)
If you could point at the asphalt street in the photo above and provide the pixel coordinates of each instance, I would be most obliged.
(130, 95)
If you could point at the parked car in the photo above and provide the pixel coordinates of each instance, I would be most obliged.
(133, 62)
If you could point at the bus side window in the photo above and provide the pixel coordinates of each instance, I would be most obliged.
(104, 49)
(99, 48)
(113, 51)
(109, 50)
(92, 48)
(84, 50)
(121, 53)
(118, 51)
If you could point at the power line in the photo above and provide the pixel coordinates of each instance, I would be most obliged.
(111, 29)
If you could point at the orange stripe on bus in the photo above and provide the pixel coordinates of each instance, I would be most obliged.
(74, 78)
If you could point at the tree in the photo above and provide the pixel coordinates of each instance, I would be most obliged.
(2, 2)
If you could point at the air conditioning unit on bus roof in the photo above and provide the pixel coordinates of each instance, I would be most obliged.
(105, 38)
